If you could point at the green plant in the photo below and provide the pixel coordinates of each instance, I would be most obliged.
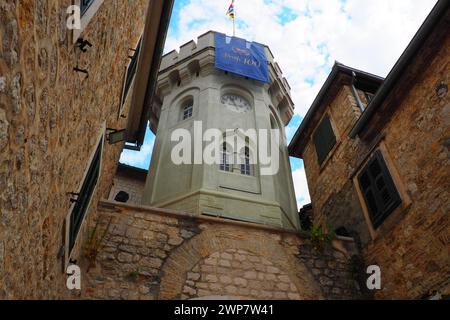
(132, 276)
(321, 237)
(95, 243)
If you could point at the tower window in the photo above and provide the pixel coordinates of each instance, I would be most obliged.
(188, 109)
(84, 197)
(225, 163)
(324, 139)
(378, 189)
(245, 166)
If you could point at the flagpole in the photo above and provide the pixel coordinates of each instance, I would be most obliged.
(234, 19)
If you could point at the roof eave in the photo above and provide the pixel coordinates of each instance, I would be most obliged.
(158, 13)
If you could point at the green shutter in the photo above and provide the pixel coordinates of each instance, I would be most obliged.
(324, 139)
(378, 189)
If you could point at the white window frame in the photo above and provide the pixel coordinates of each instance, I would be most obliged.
(225, 157)
(67, 254)
(246, 168)
(188, 110)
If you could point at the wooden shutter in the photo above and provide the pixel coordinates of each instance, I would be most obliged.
(324, 139)
(84, 197)
(378, 189)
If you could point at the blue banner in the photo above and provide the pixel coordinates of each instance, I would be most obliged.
(244, 58)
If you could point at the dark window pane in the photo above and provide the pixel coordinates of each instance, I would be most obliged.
(131, 71)
(380, 183)
(324, 139)
(84, 5)
(375, 169)
(378, 189)
(365, 181)
(84, 197)
(371, 202)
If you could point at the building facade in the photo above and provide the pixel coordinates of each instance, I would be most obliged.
(58, 116)
(212, 231)
(376, 155)
(194, 96)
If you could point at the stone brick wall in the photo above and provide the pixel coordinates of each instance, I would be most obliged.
(413, 250)
(163, 254)
(411, 246)
(50, 118)
(134, 187)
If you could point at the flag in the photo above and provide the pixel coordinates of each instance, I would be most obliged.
(230, 11)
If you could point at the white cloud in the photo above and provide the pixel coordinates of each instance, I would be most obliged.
(301, 187)
(366, 34)
(139, 159)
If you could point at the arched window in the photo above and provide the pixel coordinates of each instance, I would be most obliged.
(225, 158)
(245, 164)
(188, 108)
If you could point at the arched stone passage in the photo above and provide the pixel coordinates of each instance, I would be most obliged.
(249, 257)
(240, 274)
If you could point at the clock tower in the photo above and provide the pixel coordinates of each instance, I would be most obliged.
(232, 99)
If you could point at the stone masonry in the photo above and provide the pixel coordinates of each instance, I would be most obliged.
(150, 253)
(411, 246)
(50, 121)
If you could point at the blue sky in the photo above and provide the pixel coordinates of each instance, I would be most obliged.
(306, 37)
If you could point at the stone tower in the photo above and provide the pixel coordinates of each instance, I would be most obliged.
(194, 95)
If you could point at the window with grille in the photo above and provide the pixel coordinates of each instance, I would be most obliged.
(225, 161)
(378, 189)
(84, 5)
(245, 166)
(324, 139)
(187, 110)
(84, 197)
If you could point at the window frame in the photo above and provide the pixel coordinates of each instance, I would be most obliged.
(322, 161)
(246, 168)
(130, 75)
(85, 6)
(377, 218)
(71, 248)
(225, 163)
(188, 110)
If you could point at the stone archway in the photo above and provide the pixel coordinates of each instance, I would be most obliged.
(238, 262)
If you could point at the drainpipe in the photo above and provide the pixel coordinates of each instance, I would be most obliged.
(355, 93)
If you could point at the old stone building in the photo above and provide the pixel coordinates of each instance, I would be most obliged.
(212, 230)
(62, 92)
(72, 99)
(376, 155)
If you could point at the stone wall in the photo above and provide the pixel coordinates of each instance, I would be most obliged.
(50, 120)
(151, 253)
(412, 250)
(411, 246)
(133, 185)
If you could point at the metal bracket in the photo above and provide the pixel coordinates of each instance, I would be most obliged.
(82, 44)
(77, 69)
